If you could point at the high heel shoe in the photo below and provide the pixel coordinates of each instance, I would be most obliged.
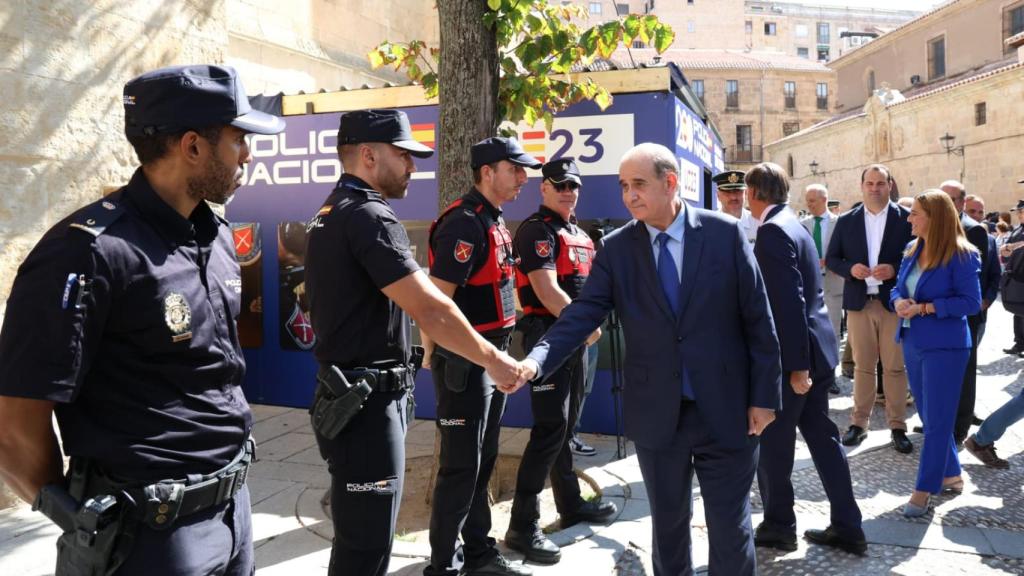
(911, 510)
(955, 488)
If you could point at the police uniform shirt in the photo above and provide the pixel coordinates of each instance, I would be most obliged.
(460, 244)
(537, 242)
(123, 315)
(356, 247)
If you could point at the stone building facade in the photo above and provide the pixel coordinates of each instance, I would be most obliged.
(976, 102)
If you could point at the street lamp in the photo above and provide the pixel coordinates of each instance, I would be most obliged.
(948, 142)
(814, 167)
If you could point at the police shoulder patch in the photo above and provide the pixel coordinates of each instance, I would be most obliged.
(542, 248)
(463, 251)
(97, 217)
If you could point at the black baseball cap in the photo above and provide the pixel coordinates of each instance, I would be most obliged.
(387, 126)
(561, 171)
(496, 149)
(178, 98)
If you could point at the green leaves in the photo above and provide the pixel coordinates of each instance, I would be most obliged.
(539, 45)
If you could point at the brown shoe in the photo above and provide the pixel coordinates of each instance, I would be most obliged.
(987, 454)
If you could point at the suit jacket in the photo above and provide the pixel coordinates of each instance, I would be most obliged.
(833, 282)
(991, 273)
(849, 246)
(955, 292)
(977, 234)
(788, 260)
(723, 338)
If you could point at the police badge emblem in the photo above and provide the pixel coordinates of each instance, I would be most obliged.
(248, 245)
(734, 178)
(542, 248)
(178, 317)
(463, 250)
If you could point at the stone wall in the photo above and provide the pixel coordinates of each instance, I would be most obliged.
(905, 136)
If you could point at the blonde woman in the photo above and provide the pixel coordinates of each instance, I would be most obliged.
(936, 289)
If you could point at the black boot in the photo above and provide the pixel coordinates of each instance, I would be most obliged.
(534, 544)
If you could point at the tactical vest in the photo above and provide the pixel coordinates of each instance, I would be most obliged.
(488, 297)
(573, 258)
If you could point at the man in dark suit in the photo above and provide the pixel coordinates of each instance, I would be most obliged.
(866, 250)
(789, 262)
(702, 360)
(977, 234)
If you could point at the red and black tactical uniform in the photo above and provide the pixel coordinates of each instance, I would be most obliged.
(547, 241)
(471, 248)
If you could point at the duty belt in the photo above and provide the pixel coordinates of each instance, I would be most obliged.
(160, 504)
(395, 378)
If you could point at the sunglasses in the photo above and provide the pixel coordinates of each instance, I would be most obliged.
(565, 186)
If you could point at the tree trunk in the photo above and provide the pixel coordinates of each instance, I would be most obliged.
(467, 91)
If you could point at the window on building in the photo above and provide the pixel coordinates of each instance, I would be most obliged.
(822, 96)
(871, 83)
(790, 128)
(691, 26)
(732, 94)
(622, 9)
(937, 57)
(789, 91)
(822, 53)
(595, 8)
(744, 149)
(639, 44)
(748, 27)
(689, 1)
(1013, 23)
(789, 165)
(698, 89)
(803, 53)
(800, 30)
(823, 33)
(980, 114)
(769, 28)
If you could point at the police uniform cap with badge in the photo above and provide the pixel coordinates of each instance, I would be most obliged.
(730, 181)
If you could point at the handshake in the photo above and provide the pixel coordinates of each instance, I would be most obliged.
(510, 374)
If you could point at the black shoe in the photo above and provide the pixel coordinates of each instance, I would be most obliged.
(975, 421)
(834, 388)
(595, 512)
(854, 436)
(1015, 349)
(499, 566)
(829, 537)
(768, 538)
(534, 544)
(900, 443)
(919, 429)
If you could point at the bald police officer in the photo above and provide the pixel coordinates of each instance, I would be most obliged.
(471, 260)
(554, 261)
(362, 280)
(121, 320)
(730, 200)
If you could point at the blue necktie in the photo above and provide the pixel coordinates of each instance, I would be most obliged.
(669, 278)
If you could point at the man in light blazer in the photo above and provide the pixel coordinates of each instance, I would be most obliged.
(820, 224)
(702, 367)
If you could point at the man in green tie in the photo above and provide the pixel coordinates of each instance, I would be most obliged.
(820, 224)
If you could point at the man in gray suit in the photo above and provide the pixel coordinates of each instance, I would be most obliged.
(820, 224)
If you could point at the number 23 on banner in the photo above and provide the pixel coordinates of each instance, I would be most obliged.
(596, 142)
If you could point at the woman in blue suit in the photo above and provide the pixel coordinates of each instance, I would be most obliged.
(936, 289)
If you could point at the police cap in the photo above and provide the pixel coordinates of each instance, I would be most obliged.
(561, 171)
(387, 126)
(179, 98)
(832, 203)
(729, 181)
(496, 149)
(1020, 205)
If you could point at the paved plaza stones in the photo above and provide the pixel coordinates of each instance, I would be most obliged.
(980, 532)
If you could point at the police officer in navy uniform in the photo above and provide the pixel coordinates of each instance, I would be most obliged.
(362, 281)
(472, 260)
(122, 321)
(554, 262)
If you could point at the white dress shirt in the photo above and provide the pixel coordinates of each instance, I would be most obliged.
(874, 229)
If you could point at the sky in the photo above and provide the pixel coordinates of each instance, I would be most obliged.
(919, 5)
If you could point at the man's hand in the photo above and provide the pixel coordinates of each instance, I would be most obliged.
(594, 337)
(527, 372)
(758, 419)
(800, 381)
(883, 272)
(504, 370)
(428, 353)
(860, 271)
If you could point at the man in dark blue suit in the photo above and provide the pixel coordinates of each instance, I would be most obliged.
(788, 259)
(702, 365)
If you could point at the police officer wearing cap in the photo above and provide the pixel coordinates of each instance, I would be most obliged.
(122, 322)
(471, 260)
(730, 200)
(554, 261)
(362, 282)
